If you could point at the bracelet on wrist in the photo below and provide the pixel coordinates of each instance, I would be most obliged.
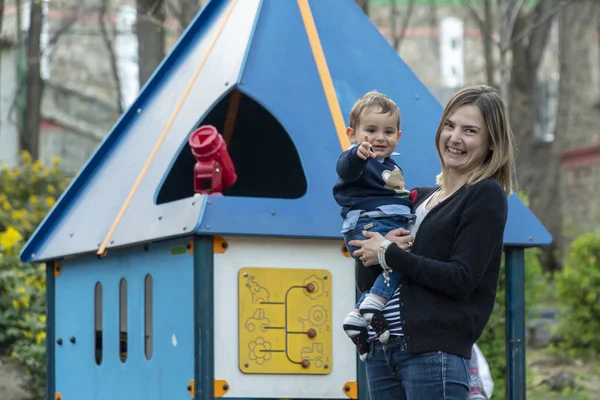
(381, 258)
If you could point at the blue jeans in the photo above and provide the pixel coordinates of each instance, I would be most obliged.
(393, 374)
(383, 225)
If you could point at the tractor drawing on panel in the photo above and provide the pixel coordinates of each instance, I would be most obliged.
(198, 254)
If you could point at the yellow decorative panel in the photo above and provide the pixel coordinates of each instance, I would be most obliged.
(284, 321)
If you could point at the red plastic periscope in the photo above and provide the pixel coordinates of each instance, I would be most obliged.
(214, 170)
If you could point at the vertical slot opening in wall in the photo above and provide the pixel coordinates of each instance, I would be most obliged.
(123, 320)
(98, 323)
(148, 317)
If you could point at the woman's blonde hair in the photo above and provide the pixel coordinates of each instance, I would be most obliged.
(499, 163)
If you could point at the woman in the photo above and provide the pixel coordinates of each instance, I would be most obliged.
(451, 269)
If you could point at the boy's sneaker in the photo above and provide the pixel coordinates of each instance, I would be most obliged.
(378, 322)
(360, 337)
(357, 330)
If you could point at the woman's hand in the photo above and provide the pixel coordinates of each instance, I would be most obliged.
(367, 249)
(401, 237)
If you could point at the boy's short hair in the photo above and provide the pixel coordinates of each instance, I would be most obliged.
(373, 101)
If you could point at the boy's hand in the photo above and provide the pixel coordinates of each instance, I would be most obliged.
(364, 150)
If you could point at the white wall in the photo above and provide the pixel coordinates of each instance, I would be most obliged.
(9, 143)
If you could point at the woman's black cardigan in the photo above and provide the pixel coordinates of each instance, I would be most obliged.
(450, 277)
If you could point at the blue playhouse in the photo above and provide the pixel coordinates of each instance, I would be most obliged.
(156, 291)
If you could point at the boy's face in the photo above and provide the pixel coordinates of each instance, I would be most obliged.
(380, 130)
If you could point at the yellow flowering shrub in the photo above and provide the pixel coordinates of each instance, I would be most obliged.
(27, 193)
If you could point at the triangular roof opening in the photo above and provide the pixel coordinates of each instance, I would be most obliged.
(266, 160)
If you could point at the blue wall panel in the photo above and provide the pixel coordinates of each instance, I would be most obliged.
(171, 367)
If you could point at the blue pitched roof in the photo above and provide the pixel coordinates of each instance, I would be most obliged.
(261, 49)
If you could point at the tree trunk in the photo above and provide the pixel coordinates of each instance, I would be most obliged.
(1, 15)
(112, 57)
(393, 23)
(404, 26)
(398, 33)
(433, 22)
(577, 118)
(508, 11)
(35, 86)
(18, 25)
(486, 27)
(187, 12)
(151, 37)
(538, 162)
(487, 41)
(598, 60)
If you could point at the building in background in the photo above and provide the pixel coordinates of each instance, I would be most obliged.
(9, 139)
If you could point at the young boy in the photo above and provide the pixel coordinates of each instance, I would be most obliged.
(371, 191)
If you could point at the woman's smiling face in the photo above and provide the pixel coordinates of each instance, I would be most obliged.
(464, 142)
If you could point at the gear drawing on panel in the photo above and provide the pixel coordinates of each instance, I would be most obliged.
(314, 286)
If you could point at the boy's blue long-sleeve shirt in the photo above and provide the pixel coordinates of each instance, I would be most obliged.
(368, 184)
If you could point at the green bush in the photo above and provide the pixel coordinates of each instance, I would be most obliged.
(27, 192)
(493, 340)
(578, 289)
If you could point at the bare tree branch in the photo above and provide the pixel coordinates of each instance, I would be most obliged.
(364, 5)
(433, 22)
(597, 105)
(183, 10)
(150, 10)
(488, 41)
(111, 53)
(511, 38)
(30, 138)
(542, 26)
(486, 28)
(15, 104)
(513, 16)
(393, 21)
(65, 26)
(151, 37)
(18, 24)
(474, 14)
(541, 164)
(398, 39)
(1, 15)
(538, 28)
(508, 18)
(176, 11)
(485, 25)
